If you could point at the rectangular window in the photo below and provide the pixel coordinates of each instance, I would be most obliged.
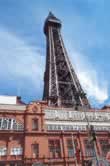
(34, 124)
(16, 164)
(16, 151)
(105, 146)
(35, 150)
(54, 148)
(2, 164)
(3, 151)
(89, 149)
(12, 164)
(70, 148)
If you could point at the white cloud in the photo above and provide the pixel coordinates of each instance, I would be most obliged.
(21, 62)
(91, 85)
(15, 54)
(94, 85)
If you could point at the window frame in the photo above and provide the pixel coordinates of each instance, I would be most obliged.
(7, 123)
(70, 147)
(3, 151)
(54, 148)
(89, 149)
(104, 146)
(35, 155)
(35, 124)
(16, 151)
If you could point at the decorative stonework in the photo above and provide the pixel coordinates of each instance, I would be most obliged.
(77, 121)
(77, 116)
(57, 127)
(33, 107)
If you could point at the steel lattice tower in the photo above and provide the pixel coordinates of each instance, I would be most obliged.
(61, 85)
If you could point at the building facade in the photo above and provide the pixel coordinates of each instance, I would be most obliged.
(40, 134)
(60, 130)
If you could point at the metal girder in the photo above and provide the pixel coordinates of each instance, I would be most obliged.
(61, 85)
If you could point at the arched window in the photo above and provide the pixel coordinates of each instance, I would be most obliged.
(10, 124)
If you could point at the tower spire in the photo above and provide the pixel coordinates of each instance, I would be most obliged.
(61, 85)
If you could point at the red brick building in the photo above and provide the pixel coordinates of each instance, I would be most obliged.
(36, 133)
(60, 130)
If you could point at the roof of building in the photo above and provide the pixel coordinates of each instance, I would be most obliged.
(11, 100)
(11, 103)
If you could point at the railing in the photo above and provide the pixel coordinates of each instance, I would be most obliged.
(10, 157)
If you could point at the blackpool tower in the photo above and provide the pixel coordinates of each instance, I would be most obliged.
(61, 85)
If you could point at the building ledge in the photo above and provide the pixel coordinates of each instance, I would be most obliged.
(12, 107)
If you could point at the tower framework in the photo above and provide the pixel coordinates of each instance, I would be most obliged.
(61, 85)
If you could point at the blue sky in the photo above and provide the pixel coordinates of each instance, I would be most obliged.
(86, 33)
